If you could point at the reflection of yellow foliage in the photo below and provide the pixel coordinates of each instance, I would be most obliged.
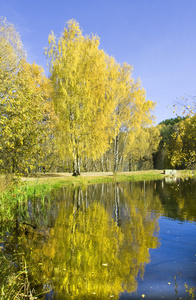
(87, 253)
(191, 291)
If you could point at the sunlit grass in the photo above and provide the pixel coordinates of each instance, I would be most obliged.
(88, 178)
(15, 196)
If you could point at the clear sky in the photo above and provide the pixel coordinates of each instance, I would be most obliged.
(156, 37)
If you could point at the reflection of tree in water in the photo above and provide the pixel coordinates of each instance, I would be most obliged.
(96, 248)
(141, 226)
(178, 199)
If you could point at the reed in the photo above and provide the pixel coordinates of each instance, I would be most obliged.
(14, 281)
(14, 198)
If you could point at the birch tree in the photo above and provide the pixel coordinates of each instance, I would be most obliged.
(24, 105)
(132, 111)
(140, 150)
(84, 80)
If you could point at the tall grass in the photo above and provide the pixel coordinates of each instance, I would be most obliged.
(14, 282)
(13, 199)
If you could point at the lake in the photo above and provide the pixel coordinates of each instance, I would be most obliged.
(128, 240)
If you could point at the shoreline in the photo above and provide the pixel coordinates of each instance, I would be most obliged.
(66, 179)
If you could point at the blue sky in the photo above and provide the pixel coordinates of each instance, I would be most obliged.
(156, 37)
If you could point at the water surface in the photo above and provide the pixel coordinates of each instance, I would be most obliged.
(129, 240)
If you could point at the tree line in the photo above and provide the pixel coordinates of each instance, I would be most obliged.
(90, 114)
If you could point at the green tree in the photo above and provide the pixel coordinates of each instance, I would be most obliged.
(182, 149)
(183, 144)
(167, 128)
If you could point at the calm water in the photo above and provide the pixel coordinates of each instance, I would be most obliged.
(131, 240)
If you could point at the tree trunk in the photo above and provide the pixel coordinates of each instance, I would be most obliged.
(130, 162)
(121, 160)
(95, 166)
(102, 165)
(106, 164)
(85, 164)
(74, 167)
(116, 150)
(78, 165)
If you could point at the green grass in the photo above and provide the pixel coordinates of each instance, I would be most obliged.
(83, 179)
(41, 185)
(15, 196)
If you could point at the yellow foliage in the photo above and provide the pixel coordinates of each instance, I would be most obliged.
(183, 145)
(24, 105)
(83, 77)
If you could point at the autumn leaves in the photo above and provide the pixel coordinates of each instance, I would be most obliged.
(24, 94)
(88, 103)
(95, 98)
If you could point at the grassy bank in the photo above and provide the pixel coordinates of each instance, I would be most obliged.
(39, 185)
(13, 195)
(66, 179)
(57, 180)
